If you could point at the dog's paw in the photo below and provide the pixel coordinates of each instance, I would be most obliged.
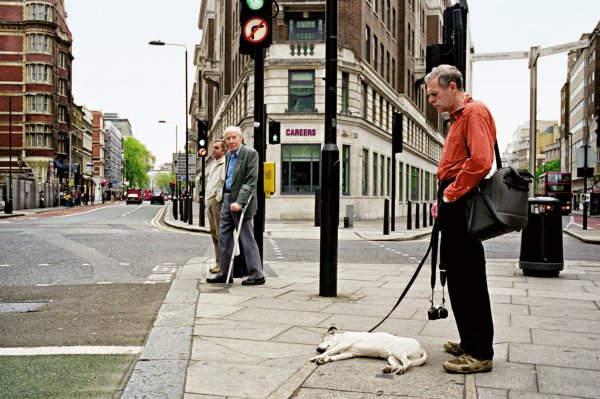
(322, 359)
(389, 369)
(400, 371)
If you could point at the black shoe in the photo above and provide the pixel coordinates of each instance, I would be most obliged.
(218, 280)
(254, 281)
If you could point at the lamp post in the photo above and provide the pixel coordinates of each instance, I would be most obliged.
(174, 193)
(187, 183)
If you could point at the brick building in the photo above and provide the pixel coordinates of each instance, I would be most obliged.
(35, 78)
(381, 63)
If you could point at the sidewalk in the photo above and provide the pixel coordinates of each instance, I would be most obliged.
(256, 342)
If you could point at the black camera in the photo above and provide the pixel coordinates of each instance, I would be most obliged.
(437, 312)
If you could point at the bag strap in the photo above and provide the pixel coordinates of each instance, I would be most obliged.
(496, 152)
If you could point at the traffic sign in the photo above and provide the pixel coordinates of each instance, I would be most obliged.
(256, 30)
(580, 156)
(179, 164)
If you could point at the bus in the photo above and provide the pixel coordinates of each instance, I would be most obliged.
(557, 185)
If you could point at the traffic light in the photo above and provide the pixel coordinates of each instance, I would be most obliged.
(274, 132)
(397, 132)
(202, 137)
(256, 23)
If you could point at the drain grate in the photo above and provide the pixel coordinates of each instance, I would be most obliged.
(20, 307)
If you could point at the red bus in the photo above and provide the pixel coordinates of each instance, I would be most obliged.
(557, 185)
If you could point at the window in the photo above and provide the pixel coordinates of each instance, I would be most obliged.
(301, 91)
(427, 186)
(382, 60)
(373, 107)
(345, 169)
(375, 167)
(394, 23)
(381, 116)
(38, 135)
(393, 82)
(368, 43)
(401, 182)
(345, 79)
(62, 60)
(299, 168)
(39, 12)
(39, 43)
(62, 114)
(365, 102)
(39, 103)
(305, 30)
(381, 174)
(388, 180)
(365, 172)
(414, 184)
(39, 73)
(375, 51)
(387, 67)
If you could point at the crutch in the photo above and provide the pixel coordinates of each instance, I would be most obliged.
(236, 244)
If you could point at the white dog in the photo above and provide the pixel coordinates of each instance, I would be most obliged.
(401, 353)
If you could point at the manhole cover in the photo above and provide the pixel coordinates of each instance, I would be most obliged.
(20, 307)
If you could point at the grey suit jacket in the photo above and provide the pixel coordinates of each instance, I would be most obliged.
(245, 178)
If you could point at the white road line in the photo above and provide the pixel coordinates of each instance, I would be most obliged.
(4, 265)
(72, 350)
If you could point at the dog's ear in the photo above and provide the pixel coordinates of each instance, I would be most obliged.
(332, 329)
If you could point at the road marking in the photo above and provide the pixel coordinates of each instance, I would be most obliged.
(44, 264)
(4, 265)
(123, 264)
(72, 350)
(161, 274)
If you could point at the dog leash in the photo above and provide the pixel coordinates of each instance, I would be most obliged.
(433, 244)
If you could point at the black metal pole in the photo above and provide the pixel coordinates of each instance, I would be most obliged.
(424, 214)
(409, 215)
(8, 206)
(190, 216)
(417, 215)
(179, 197)
(330, 163)
(393, 190)
(174, 200)
(585, 168)
(386, 217)
(259, 145)
(202, 193)
(187, 132)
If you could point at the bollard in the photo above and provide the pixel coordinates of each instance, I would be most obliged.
(318, 207)
(346, 222)
(190, 211)
(424, 214)
(417, 215)
(386, 217)
(180, 201)
(430, 214)
(174, 201)
(409, 216)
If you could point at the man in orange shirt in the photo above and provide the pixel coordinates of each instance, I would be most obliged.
(467, 157)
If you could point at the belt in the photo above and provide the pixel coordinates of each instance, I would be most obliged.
(227, 191)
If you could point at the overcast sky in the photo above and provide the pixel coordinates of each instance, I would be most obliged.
(115, 70)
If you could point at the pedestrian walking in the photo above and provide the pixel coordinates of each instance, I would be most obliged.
(467, 157)
(241, 177)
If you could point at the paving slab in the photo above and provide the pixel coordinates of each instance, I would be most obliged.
(566, 357)
(569, 381)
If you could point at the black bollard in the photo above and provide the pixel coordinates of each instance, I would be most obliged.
(190, 211)
(424, 214)
(386, 217)
(430, 214)
(417, 215)
(318, 207)
(409, 216)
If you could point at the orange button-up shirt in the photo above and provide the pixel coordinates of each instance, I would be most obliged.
(471, 126)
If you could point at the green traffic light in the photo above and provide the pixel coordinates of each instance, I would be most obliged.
(255, 4)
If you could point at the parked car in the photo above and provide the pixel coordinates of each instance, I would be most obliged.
(157, 198)
(133, 198)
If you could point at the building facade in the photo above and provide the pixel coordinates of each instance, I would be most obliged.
(122, 124)
(381, 63)
(547, 133)
(35, 89)
(580, 97)
(113, 157)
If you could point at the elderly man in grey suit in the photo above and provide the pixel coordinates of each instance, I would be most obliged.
(241, 170)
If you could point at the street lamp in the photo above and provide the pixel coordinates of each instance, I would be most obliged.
(187, 187)
(173, 123)
(175, 191)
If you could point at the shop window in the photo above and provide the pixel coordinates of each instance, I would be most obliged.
(301, 91)
(414, 184)
(299, 168)
(365, 172)
(375, 167)
(345, 169)
(305, 30)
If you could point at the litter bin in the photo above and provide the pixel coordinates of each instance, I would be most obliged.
(541, 239)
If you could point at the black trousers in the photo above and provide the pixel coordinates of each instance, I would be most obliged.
(464, 261)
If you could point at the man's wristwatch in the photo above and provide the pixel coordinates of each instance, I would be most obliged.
(445, 199)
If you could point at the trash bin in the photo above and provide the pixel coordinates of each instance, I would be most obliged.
(541, 239)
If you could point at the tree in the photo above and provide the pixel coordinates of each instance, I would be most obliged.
(552, 166)
(138, 162)
(163, 181)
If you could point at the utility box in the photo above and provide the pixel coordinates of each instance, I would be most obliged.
(541, 239)
(349, 215)
(269, 178)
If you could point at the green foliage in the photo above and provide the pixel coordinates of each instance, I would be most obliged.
(163, 181)
(552, 166)
(138, 162)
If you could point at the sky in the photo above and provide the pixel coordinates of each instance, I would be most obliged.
(115, 70)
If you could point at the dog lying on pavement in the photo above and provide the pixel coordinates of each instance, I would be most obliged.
(401, 353)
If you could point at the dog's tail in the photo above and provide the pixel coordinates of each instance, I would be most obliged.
(419, 361)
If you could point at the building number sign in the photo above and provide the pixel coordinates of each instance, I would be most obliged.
(256, 30)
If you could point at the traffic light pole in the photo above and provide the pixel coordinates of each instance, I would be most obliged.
(330, 165)
(201, 223)
(259, 144)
